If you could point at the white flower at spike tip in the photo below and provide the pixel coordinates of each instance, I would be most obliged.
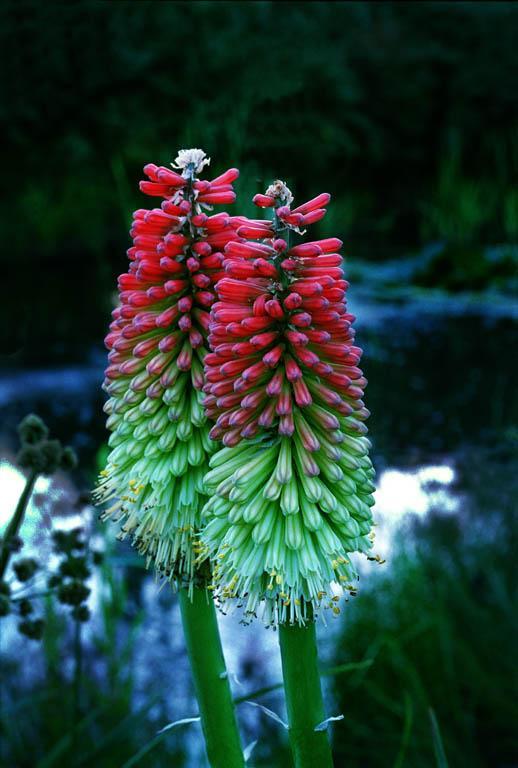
(281, 190)
(196, 157)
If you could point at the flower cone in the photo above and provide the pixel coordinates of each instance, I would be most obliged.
(158, 339)
(291, 490)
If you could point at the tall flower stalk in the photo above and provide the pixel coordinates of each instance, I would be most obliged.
(159, 442)
(291, 490)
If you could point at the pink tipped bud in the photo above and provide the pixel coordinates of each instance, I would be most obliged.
(255, 232)
(165, 176)
(185, 304)
(226, 178)
(171, 208)
(284, 403)
(174, 286)
(202, 281)
(151, 171)
(302, 394)
(301, 319)
(293, 301)
(143, 348)
(267, 416)
(192, 264)
(306, 356)
(166, 317)
(250, 430)
(280, 245)
(284, 214)
(204, 298)
(202, 186)
(286, 425)
(265, 268)
(274, 309)
(248, 250)
(252, 400)
(184, 359)
(261, 340)
(274, 386)
(296, 338)
(272, 358)
(169, 342)
(259, 305)
(155, 190)
(254, 371)
(202, 248)
(218, 198)
(264, 201)
(305, 249)
(185, 323)
(313, 217)
(306, 288)
(157, 364)
(293, 372)
(320, 201)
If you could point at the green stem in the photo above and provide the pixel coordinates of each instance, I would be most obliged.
(16, 522)
(304, 700)
(211, 684)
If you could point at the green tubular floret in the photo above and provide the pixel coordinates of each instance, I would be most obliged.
(294, 535)
(311, 487)
(195, 452)
(330, 471)
(254, 509)
(275, 552)
(160, 465)
(148, 406)
(262, 530)
(328, 540)
(283, 470)
(135, 450)
(243, 492)
(273, 489)
(304, 462)
(238, 534)
(184, 428)
(141, 432)
(289, 502)
(294, 501)
(282, 535)
(260, 467)
(310, 513)
(197, 414)
(349, 526)
(235, 513)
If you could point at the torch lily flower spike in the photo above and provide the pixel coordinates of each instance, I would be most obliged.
(157, 341)
(291, 490)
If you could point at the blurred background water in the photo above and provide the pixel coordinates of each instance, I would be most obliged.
(406, 113)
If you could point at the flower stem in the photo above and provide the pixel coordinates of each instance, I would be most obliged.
(211, 684)
(16, 522)
(303, 692)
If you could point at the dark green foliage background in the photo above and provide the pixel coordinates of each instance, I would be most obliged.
(405, 112)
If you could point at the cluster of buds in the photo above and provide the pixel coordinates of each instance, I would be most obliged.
(157, 341)
(291, 490)
(39, 454)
